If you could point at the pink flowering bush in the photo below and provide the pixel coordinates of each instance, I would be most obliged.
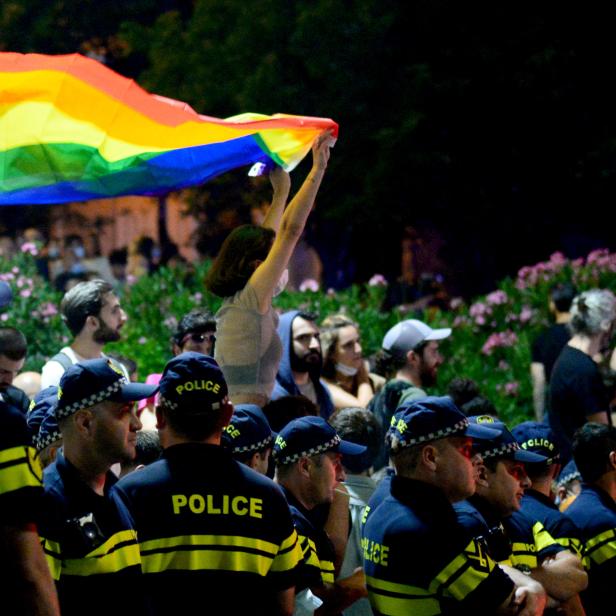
(490, 344)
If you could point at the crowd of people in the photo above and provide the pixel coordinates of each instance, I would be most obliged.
(272, 469)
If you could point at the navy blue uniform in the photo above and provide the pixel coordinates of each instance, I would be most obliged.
(594, 513)
(91, 551)
(20, 470)
(419, 560)
(517, 540)
(539, 507)
(317, 566)
(211, 532)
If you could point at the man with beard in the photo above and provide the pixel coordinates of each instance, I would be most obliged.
(409, 358)
(93, 314)
(300, 367)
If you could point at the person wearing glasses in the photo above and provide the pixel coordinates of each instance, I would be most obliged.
(195, 332)
(511, 537)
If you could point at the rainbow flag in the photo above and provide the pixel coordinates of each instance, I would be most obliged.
(71, 129)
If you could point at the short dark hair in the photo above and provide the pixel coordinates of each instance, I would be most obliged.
(193, 424)
(197, 320)
(283, 410)
(83, 300)
(388, 363)
(119, 256)
(13, 343)
(234, 264)
(359, 426)
(462, 390)
(479, 405)
(147, 447)
(592, 445)
(562, 294)
(245, 456)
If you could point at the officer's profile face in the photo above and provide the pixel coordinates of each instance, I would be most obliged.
(9, 369)
(455, 474)
(325, 474)
(506, 486)
(114, 430)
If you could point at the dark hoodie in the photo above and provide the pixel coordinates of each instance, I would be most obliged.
(285, 383)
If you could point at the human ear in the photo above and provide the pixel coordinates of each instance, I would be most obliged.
(429, 455)
(304, 467)
(482, 476)
(84, 422)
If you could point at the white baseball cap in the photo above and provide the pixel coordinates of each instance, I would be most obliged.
(408, 335)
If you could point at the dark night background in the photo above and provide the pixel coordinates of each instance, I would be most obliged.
(490, 124)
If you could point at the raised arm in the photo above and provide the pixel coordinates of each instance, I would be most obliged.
(265, 277)
(281, 183)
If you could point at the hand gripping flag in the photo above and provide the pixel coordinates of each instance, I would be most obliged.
(71, 129)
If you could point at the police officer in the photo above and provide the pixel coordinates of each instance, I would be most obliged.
(538, 502)
(93, 554)
(27, 584)
(594, 512)
(249, 437)
(418, 559)
(308, 455)
(512, 537)
(213, 534)
(46, 435)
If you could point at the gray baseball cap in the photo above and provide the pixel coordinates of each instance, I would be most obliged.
(408, 335)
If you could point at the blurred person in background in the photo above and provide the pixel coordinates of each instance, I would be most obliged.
(577, 392)
(549, 344)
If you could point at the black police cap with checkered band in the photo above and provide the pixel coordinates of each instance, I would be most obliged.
(504, 445)
(309, 436)
(93, 381)
(430, 419)
(248, 430)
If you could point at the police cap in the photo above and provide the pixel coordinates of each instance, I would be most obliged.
(192, 382)
(248, 430)
(539, 438)
(309, 436)
(504, 445)
(93, 381)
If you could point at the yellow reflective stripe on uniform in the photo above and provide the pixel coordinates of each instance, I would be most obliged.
(208, 552)
(327, 571)
(392, 599)
(542, 537)
(601, 548)
(119, 552)
(570, 543)
(523, 554)
(289, 555)
(19, 468)
(53, 555)
(309, 551)
(464, 573)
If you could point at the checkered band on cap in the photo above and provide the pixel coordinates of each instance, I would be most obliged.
(431, 436)
(84, 403)
(48, 439)
(569, 477)
(254, 447)
(174, 406)
(282, 459)
(500, 452)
